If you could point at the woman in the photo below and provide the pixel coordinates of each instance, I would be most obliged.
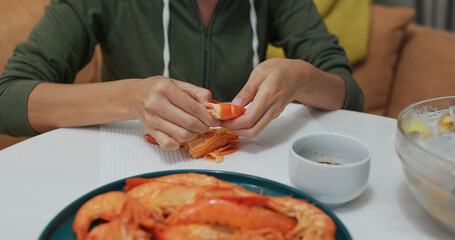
(172, 55)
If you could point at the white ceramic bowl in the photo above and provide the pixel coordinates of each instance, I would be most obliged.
(333, 185)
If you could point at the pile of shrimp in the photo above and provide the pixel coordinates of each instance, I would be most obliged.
(197, 206)
(217, 142)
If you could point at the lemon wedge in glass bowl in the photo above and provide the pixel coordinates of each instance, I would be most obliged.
(425, 143)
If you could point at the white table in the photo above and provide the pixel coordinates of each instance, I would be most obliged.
(42, 175)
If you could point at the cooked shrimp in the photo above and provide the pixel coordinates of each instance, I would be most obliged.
(312, 222)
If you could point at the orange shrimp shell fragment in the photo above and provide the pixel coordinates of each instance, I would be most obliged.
(224, 111)
(210, 141)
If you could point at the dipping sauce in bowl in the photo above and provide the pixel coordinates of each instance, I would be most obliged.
(330, 163)
(326, 158)
(333, 168)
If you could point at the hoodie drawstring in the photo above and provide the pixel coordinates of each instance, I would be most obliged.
(255, 41)
(166, 53)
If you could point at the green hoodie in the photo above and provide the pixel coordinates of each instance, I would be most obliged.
(132, 38)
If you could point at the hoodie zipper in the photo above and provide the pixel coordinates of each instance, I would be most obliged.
(207, 31)
(205, 66)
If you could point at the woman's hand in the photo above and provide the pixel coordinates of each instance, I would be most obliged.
(170, 110)
(274, 84)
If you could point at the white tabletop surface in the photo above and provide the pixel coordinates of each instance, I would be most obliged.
(42, 175)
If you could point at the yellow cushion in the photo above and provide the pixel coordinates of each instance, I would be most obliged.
(349, 20)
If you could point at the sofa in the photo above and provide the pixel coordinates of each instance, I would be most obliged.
(405, 62)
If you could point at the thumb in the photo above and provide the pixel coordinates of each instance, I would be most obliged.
(201, 95)
(246, 95)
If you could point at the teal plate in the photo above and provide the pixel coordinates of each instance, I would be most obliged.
(61, 226)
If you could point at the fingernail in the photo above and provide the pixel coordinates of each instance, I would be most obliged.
(216, 123)
(237, 101)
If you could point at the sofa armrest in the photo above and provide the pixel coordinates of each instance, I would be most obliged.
(375, 74)
(17, 19)
(6, 141)
(425, 69)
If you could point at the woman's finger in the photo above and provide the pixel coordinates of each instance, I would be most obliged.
(172, 104)
(201, 95)
(158, 120)
(200, 119)
(264, 120)
(248, 92)
(263, 100)
(169, 112)
(161, 138)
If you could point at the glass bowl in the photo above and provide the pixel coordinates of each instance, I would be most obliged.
(425, 143)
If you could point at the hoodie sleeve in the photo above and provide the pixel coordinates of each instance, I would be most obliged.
(58, 47)
(300, 30)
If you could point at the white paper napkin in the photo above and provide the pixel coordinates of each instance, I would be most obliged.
(125, 153)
